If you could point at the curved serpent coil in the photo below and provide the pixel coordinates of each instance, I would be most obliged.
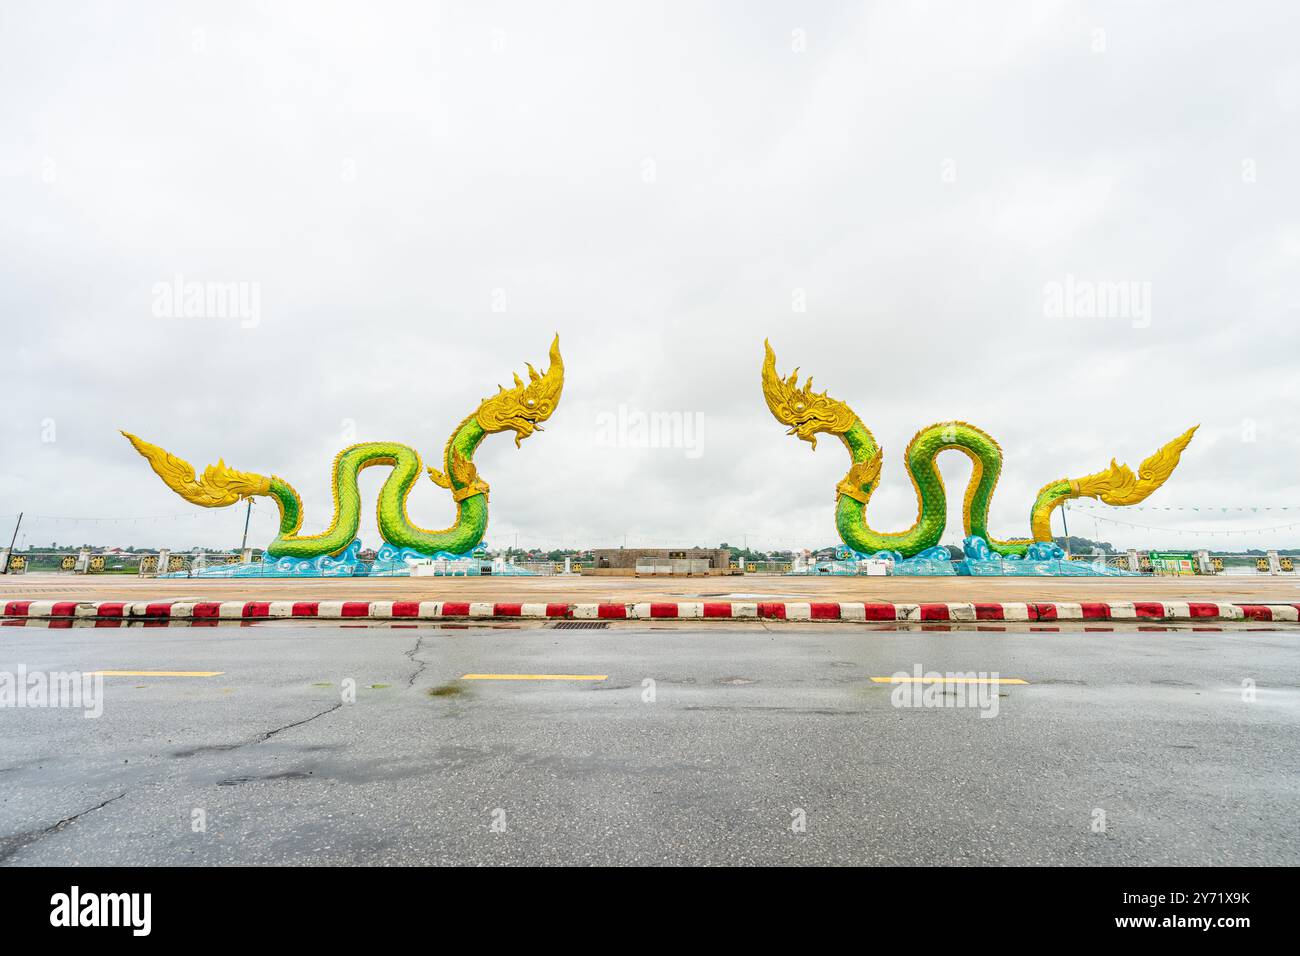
(521, 409)
(808, 413)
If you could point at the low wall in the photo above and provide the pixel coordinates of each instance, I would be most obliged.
(633, 573)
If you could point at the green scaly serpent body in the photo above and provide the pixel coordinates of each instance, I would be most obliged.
(921, 461)
(395, 526)
(810, 413)
(521, 409)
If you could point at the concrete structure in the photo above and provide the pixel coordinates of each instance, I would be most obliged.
(811, 611)
(625, 560)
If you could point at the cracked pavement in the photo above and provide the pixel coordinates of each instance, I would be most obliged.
(335, 744)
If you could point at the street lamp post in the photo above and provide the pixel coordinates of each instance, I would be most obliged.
(1065, 506)
(18, 524)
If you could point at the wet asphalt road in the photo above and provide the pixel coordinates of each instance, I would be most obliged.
(741, 734)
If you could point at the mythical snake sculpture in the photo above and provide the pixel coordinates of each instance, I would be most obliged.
(521, 409)
(808, 413)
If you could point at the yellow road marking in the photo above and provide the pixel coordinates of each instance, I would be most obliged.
(948, 680)
(534, 677)
(159, 673)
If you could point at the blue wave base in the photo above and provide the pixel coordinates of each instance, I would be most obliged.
(1042, 559)
(390, 562)
(345, 565)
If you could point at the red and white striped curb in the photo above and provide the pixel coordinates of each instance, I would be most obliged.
(675, 610)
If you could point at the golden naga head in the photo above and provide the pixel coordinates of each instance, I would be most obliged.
(523, 408)
(805, 411)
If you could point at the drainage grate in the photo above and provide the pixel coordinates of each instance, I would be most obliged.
(575, 625)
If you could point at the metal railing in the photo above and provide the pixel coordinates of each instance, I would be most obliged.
(153, 563)
(91, 561)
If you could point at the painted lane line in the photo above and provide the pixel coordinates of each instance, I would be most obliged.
(534, 677)
(158, 673)
(948, 680)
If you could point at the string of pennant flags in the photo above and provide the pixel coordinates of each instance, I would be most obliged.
(1081, 509)
(1099, 516)
(1088, 507)
(1205, 508)
(88, 520)
(28, 516)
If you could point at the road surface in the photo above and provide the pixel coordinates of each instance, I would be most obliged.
(675, 744)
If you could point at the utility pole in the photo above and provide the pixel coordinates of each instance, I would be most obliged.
(1065, 506)
(17, 525)
(248, 516)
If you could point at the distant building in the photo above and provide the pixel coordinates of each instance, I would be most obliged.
(627, 558)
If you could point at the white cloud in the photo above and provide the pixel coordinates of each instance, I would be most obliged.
(380, 170)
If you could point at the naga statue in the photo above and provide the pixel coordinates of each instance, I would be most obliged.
(521, 409)
(808, 413)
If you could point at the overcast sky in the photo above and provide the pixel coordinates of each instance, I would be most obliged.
(422, 195)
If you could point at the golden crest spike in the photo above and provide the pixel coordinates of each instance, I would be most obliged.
(860, 473)
(532, 372)
(519, 382)
(1161, 465)
(1118, 485)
